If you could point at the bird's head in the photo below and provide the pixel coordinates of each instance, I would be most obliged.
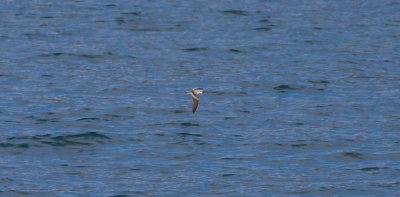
(198, 90)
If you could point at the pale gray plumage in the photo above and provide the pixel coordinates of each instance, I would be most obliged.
(195, 95)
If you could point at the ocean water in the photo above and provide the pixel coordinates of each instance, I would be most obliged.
(301, 98)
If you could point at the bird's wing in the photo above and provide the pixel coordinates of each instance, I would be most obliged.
(195, 104)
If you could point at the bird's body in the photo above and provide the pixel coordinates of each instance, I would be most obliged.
(195, 95)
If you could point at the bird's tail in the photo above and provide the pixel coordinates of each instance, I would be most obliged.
(187, 92)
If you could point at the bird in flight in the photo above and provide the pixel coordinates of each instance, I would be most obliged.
(195, 95)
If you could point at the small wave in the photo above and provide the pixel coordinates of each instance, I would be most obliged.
(353, 155)
(195, 49)
(188, 124)
(190, 134)
(88, 56)
(236, 93)
(179, 111)
(319, 81)
(148, 29)
(82, 139)
(284, 88)
(235, 50)
(232, 158)
(86, 119)
(132, 13)
(229, 174)
(262, 28)
(264, 20)
(369, 169)
(40, 120)
(298, 145)
(236, 12)
(110, 5)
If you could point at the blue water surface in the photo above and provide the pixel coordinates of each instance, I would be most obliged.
(301, 98)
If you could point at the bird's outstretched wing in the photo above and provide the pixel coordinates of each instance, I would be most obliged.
(195, 104)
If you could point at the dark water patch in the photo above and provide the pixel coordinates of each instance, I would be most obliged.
(44, 120)
(188, 124)
(299, 124)
(236, 12)
(87, 119)
(85, 139)
(88, 135)
(30, 117)
(179, 111)
(235, 51)
(353, 155)
(201, 143)
(47, 17)
(190, 134)
(110, 5)
(16, 145)
(284, 88)
(385, 185)
(226, 175)
(32, 35)
(41, 120)
(82, 139)
(6, 145)
(46, 75)
(169, 123)
(231, 158)
(309, 41)
(132, 13)
(237, 93)
(4, 75)
(92, 56)
(298, 145)
(135, 140)
(147, 29)
(319, 81)
(262, 28)
(370, 169)
(120, 20)
(23, 145)
(362, 76)
(229, 118)
(56, 54)
(112, 115)
(61, 141)
(89, 56)
(195, 49)
(264, 20)
(317, 28)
